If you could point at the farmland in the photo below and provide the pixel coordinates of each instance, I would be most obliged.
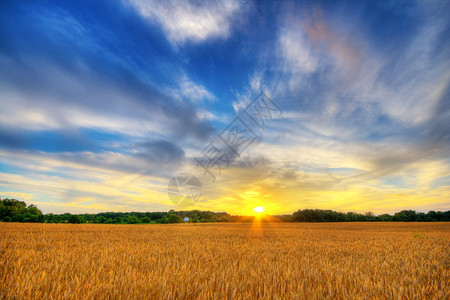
(234, 261)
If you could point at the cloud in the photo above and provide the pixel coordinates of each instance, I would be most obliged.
(348, 87)
(90, 190)
(184, 21)
(307, 43)
(89, 86)
(188, 90)
(323, 36)
(163, 153)
(17, 195)
(135, 179)
(94, 100)
(157, 158)
(194, 91)
(296, 52)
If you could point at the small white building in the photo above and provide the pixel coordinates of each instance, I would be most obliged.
(185, 219)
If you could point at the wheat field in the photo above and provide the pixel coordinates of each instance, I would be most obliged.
(225, 261)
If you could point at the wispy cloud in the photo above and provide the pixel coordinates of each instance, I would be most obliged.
(298, 56)
(89, 89)
(184, 21)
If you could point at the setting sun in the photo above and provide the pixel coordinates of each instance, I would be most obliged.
(259, 209)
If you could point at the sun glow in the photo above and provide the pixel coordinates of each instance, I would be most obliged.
(259, 209)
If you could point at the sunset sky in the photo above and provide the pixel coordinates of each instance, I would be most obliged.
(103, 102)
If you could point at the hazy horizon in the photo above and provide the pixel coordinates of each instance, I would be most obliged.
(103, 103)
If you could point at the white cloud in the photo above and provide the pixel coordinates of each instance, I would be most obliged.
(256, 85)
(186, 21)
(86, 100)
(296, 51)
(406, 87)
(296, 55)
(193, 91)
(37, 115)
(186, 89)
(255, 82)
(206, 115)
(416, 81)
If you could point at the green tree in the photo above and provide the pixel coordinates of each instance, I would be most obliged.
(385, 217)
(18, 218)
(100, 219)
(145, 220)
(11, 208)
(57, 219)
(174, 218)
(164, 220)
(49, 218)
(33, 210)
(76, 219)
(193, 218)
(132, 219)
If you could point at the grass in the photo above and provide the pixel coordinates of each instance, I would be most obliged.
(225, 261)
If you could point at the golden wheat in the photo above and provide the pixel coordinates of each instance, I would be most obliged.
(225, 261)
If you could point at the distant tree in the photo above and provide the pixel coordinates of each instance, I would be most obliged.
(32, 218)
(193, 218)
(421, 217)
(99, 219)
(33, 210)
(399, 217)
(385, 217)
(440, 216)
(431, 216)
(49, 218)
(4, 211)
(17, 218)
(317, 215)
(405, 216)
(12, 207)
(370, 216)
(174, 218)
(145, 220)
(351, 217)
(132, 219)
(57, 219)
(446, 216)
(76, 219)
(411, 215)
(164, 220)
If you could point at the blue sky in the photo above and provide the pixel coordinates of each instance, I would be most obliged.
(104, 101)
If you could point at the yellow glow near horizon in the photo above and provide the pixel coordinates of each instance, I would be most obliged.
(259, 209)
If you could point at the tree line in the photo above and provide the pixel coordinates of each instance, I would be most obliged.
(320, 215)
(12, 210)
